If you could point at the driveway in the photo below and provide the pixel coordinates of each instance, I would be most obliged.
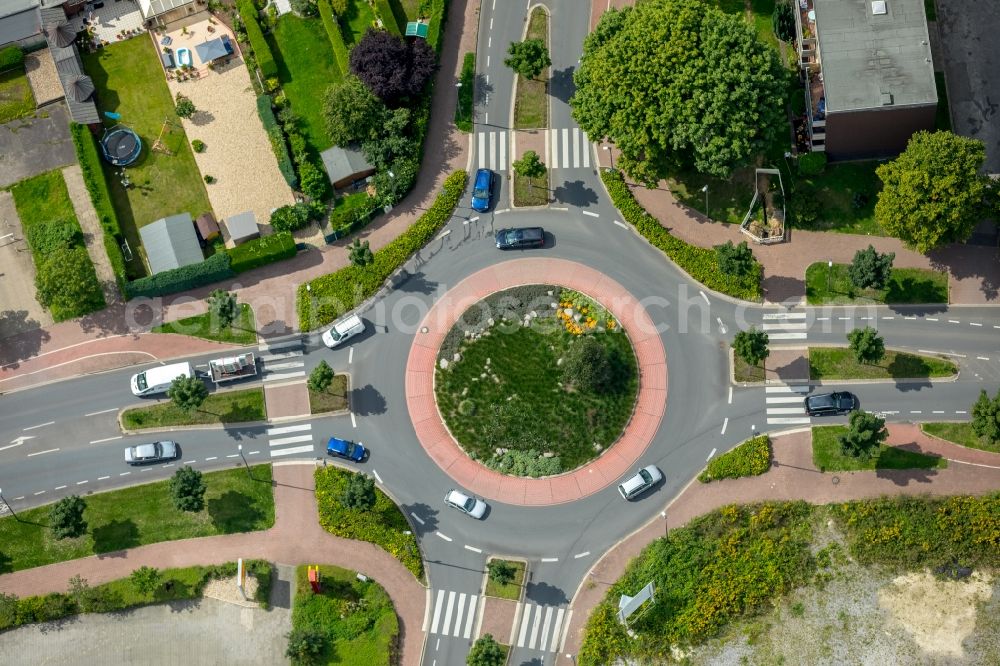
(31, 146)
(19, 311)
(205, 631)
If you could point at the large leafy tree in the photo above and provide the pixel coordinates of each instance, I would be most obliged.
(187, 489)
(528, 58)
(359, 493)
(870, 269)
(66, 517)
(734, 259)
(867, 345)
(391, 67)
(751, 345)
(677, 82)
(933, 193)
(222, 305)
(485, 652)
(188, 393)
(864, 436)
(986, 417)
(352, 113)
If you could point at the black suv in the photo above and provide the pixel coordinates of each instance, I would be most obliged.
(511, 239)
(831, 404)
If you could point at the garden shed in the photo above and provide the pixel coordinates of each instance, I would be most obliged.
(345, 165)
(171, 242)
(208, 228)
(242, 227)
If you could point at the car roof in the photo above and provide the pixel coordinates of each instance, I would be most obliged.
(633, 482)
(483, 177)
(457, 496)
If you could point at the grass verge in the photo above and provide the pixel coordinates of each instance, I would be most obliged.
(531, 191)
(16, 99)
(961, 434)
(383, 525)
(467, 79)
(906, 285)
(141, 515)
(531, 101)
(223, 407)
(511, 590)
(241, 332)
(744, 372)
(333, 399)
(828, 457)
(840, 363)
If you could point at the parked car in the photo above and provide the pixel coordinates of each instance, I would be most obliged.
(512, 239)
(640, 482)
(151, 453)
(345, 448)
(831, 404)
(473, 506)
(482, 190)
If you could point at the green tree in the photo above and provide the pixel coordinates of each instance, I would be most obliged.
(587, 366)
(678, 83)
(66, 517)
(528, 58)
(187, 489)
(321, 377)
(290, 217)
(986, 417)
(529, 166)
(185, 107)
(933, 193)
(864, 437)
(735, 260)
(485, 652)
(223, 308)
(751, 345)
(869, 269)
(352, 112)
(305, 646)
(501, 572)
(188, 393)
(145, 579)
(359, 492)
(867, 345)
(66, 281)
(359, 253)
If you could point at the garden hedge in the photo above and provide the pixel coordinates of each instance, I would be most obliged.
(11, 57)
(439, 12)
(277, 139)
(262, 251)
(265, 59)
(341, 291)
(335, 35)
(215, 268)
(384, 11)
(751, 458)
(700, 263)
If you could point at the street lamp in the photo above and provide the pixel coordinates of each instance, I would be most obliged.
(705, 190)
(829, 274)
(9, 507)
(240, 448)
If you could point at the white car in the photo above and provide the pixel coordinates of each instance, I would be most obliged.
(473, 506)
(640, 482)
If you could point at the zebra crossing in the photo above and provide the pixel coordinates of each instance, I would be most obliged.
(542, 628)
(282, 360)
(454, 614)
(492, 152)
(785, 325)
(785, 404)
(568, 148)
(281, 439)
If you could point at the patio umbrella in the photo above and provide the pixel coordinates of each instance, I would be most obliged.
(80, 88)
(59, 34)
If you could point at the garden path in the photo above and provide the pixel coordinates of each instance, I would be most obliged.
(93, 236)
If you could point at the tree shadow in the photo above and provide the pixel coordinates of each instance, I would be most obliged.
(426, 514)
(781, 288)
(904, 477)
(417, 283)
(234, 512)
(114, 538)
(545, 594)
(561, 84)
(22, 337)
(238, 434)
(367, 400)
(6, 563)
(907, 366)
(238, 413)
(575, 193)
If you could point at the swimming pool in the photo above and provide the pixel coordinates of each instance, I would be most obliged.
(183, 57)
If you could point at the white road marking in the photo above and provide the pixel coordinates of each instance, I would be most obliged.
(782, 399)
(705, 297)
(789, 420)
(493, 153)
(565, 147)
(59, 487)
(730, 395)
(954, 321)
(473, 549)
(972, 323)
(927, 351)
(40, 492)
(417, 518)
(524, 628)
(292, 451)
(472, 614)
(554, 136)
(80, 483)
(267, 358)
(290, 440)
(555, 630)
(458, 615)
(17, 442)
(725, 424)
(270, 432)
(932, 319)
(287, 365)
(444, 536)
(784, 315)
(786, 410)
(40, 425)
(545, 628)
(106, 439)
(590, 213)
(354, 420)
(124, 473)
(231, 455)
(790, 326)
(961, 412)
(938, 411)
(534, 628)
(502, 162)
(189, 462)
(38, 453)
(983, 358)
(583, 554)
(437, 612)
(909, 317)
(786, 336)
(350, 356)
(550, 559)
(102, 478)
(212, 458)
(103, 411)
(377, 477)
(916, 412)
(710, 455)
(791, 388)
(844, 318)
(284, 375)
(888, 318)
(447, 612)
(822, 319)
(253, 453)
(576, 148)
(620, 224)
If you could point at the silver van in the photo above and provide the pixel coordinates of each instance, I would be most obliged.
(343, 330)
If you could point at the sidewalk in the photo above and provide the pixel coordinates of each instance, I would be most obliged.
(295, 539)
(792, 477)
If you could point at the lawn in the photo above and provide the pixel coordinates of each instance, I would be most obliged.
(511, 590)
(141, 515)
(531, 101)
(356, 617)
(828, 457)
(744, 372)
(223, 407)
(16, 100)
(827, 363)
(333, 399)
(906, 285)
(961, 434)
(356, 21)
(241, 332)
(531, 191)
(306, 68)
(130, 81)
(409, 8)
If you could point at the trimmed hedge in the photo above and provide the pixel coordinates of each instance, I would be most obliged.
(11, 57)
(439, 12)
(700, 263)
(215, 268)
(261, 251)
(384, 11)
(751, 458)
(335, 35)
(277, 139)
(100, 196)
(265, 59)
(341, 291)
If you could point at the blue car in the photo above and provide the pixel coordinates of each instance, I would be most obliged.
(482, 190)
(345, 448)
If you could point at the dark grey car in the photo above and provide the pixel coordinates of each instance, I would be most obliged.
(512, 239)
(831, 404)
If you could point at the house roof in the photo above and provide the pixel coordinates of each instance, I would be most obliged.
(151, 8)
(210, 50)
(874, 61)
(67, 60)
(242, 226)
(343, 163)
(11, 7)
(171, 242)
(15, 26)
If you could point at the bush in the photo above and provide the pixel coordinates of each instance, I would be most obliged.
(700, 263)
(525, 463)
(11, 57)
(198, 145)
(290, 218)
(341, 291)
(277, 140)
(215, 268)
(313, 181)
(812, 163)
(359, 493)
(326, 13)
(305, 646)
(587, 366)
(265, 59)
(209, 179)
(751, 458)
(47, 237)
(187, 489)
(262, 251)
(66, 518)
(66, 283)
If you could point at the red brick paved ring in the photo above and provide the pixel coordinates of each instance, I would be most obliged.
(596, 475)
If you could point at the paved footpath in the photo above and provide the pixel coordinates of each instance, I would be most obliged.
(792, 477)
(296, 539)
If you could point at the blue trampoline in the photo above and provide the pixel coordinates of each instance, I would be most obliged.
(121, 146)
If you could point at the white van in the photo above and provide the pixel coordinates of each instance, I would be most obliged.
(158, 379)
(342, 330)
